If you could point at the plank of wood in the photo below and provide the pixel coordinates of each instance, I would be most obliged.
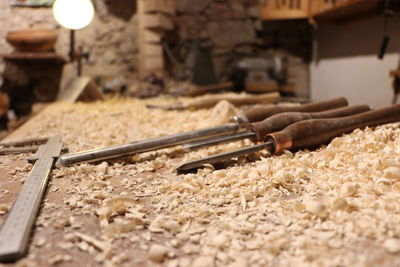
(141, 38)
(151, 36)
(153, 50)
(160, 6)
(345, 10)
(290, 9)
(261, 87)
(153, 63)
(157, 21)
(153, 20)
(80, 88)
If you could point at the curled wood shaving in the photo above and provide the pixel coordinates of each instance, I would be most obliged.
(157, 253)
(100, 245)
(336, 205)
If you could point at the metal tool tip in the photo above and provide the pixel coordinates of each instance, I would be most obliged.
(183, 168)
(189, 167)
(59, 163)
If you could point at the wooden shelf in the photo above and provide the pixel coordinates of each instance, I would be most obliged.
(345, 11)
(18, 56)
(318, 10)
(284, 9)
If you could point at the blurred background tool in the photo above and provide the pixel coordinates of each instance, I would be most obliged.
(240, 100)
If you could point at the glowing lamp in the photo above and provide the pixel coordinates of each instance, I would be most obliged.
(73, 14)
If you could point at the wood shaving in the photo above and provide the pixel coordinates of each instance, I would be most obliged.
(59, 258)
(203, 261)
(90, 240)
(3, 209)
(336, 205)
(157, 253)
(40, 242)
(220, 114)
(392, 245)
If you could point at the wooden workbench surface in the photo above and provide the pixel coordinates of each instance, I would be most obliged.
(333, 206)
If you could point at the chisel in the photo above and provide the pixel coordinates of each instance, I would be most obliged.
(250, 115)
(258, 130)
(269, 98)
(26, 142)
(306, 134)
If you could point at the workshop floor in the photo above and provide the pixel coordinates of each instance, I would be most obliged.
(333, 206)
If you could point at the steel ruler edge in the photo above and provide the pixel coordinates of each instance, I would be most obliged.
(16, 229)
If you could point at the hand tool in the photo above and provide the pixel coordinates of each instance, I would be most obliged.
(15, 232)
(181, 138)
(26, 142)
(277, 122)
(196, 90)
(269, 98)
(24, 146)
(306, 134)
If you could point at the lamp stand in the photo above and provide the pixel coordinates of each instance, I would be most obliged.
(75, 55)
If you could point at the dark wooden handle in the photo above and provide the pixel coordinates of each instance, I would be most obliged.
(259, 113)
(310, 133)
(282, 120)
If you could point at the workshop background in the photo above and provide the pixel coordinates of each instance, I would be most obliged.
(142, 69)
(320, 55)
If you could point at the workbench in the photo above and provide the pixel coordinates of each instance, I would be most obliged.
(337, 205)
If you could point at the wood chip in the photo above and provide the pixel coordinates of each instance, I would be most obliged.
(157, 253)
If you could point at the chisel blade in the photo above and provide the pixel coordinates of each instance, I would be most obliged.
(218, 140)
(195, 164)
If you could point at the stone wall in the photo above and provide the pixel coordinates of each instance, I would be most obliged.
(233, 27)
(235, 31)
(110, 38)
(227, 24)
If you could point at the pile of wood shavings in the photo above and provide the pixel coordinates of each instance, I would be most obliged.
(334, 206)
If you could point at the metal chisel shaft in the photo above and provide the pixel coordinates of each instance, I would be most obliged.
(143, 146)
(26, 142)
(218, 140)
(224, 156)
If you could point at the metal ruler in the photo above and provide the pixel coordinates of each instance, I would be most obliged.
(15, 232)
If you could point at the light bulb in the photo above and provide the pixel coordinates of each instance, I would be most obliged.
(73, 14)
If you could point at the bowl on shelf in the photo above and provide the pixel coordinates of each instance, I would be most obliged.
(32, 40)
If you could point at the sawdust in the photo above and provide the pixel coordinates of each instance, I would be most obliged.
(333, 206)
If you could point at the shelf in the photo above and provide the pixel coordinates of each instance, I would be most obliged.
(284, 9)
(345, 11)
(20, 56)
(318, 10)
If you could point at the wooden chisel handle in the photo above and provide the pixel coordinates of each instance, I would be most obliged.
(259, 113)
(310, 133)
(269, 98)
(201, 90)
(282, 120)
